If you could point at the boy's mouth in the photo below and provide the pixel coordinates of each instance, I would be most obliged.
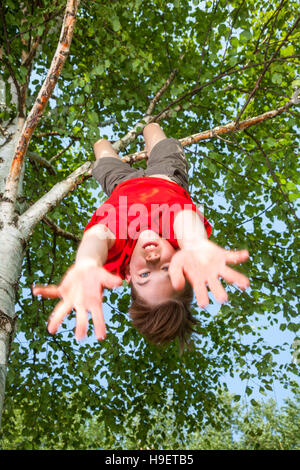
(150, 245)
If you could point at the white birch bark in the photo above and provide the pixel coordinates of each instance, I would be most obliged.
(9, 138)
(11, 256)
(11, 247)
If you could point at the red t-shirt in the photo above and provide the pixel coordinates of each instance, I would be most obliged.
(140, 204)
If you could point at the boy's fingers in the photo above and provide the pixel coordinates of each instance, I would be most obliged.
(51, 291)
(234, 277)
(112, 280)
(98, 320)
(81, 322)
(235, 257)
(177, 277)
(217, 290)
(201, 293)
(56, 318)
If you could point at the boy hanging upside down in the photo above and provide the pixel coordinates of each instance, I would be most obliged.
(150, 233)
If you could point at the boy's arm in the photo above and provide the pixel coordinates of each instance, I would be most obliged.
(189, 229)
(94, 246)
(202, 261)
(82, 286)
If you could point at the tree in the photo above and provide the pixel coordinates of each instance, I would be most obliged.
(194, 67)
(263, 426)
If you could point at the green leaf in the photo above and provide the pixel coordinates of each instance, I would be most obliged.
(288, 51)
(116, 24)
(296, 84)
(99, 70)
(93, 118)
(245, 36)
(293, 327)
(40, 30)
(276, 78)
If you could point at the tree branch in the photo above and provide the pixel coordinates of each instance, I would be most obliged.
(146, 119)
(35, 157)
(27, 60)
(59, 231)
(265, 26)
(46, 203)
(272, 172)
(35, 26)
(226, 128)
(161, 91)
(10, 69)
(212, 17)
(273, 24)
(275, 283)
(227, 73)
(46, 90)
(61, 152)
(266, 66)
(49, 134)
(132, 134)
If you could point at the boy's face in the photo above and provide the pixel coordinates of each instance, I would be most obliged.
(148, 268)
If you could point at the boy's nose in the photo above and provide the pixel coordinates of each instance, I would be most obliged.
(153, 256)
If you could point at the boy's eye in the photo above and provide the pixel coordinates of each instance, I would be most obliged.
(144, 274)
(166, 268)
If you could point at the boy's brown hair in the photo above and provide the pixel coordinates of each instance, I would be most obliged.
(164, 322)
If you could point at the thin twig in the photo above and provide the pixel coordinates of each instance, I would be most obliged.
(61, 152)
(266, 66)
(161, 91)
(275, 283)
(272, 26)
(272, 171)
(205, 40)
(53, 257)
(35, 26)
(26, 62)
(35, 157)
(48, 134)
(10, 69)
(227, 73)
(265, 26)
(59, 231)
(231, 29)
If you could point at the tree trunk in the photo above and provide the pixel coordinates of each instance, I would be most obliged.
(11, 247)
(11, 256)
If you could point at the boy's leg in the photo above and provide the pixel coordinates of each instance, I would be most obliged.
(165, 156)
(152, 135)
(109, 169)
(103, 148)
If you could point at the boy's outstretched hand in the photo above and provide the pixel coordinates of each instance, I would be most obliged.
(202, 264)
(81, 289)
